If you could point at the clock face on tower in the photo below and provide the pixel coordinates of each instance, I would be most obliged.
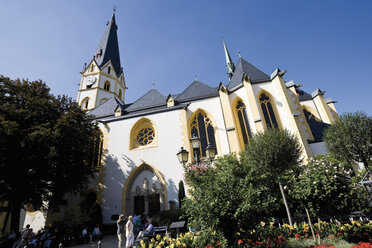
(90, 80)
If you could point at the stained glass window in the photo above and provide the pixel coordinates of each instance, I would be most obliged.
(201, 127)
(268, 111)
(145, 136)
(243, 121)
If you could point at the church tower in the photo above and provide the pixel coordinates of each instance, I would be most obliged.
(103, 77)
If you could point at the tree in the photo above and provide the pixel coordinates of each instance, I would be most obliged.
(45, 143)
(325, 187)
(236, 193)
(181, 193)
(350, 138)
(276, 152)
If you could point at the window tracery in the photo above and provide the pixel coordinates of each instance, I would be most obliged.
(202, 127)
(242, 117)
(268, 112)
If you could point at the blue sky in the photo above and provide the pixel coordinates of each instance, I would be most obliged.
(322, 44)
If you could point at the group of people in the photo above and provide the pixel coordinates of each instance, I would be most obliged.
(87, 237)
(42, 239)
(139, 225)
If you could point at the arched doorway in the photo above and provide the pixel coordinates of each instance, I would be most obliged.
(144, 191)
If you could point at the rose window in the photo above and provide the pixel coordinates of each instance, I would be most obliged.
(145, 136)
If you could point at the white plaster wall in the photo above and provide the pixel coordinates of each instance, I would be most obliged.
(213, 107)
(36, 220)
(121, 160)
(318, 148)
(88, 93)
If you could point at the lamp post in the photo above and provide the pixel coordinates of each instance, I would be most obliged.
(195, 142)
(183, 156)
(210, 152)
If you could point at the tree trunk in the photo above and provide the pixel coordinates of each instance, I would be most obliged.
(15, 209)
(285, 203)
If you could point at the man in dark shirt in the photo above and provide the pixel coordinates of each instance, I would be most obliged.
(121, 230)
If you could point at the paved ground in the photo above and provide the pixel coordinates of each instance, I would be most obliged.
(107, 242)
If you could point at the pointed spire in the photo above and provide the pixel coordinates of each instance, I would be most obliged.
(229, 64)
(108, 48)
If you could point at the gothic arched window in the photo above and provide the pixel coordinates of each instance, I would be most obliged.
(242, 117)
(120, 94)
(109, 69)
(107, 86)
(268, 112)
(202, 127)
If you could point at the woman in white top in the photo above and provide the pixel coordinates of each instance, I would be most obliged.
(129, 232)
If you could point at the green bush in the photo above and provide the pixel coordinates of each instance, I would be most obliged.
(325, 187)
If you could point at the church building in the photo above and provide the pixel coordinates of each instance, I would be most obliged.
(140, 171)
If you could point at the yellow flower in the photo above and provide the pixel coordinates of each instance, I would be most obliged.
(158, 237)
(262, 223)
(237, 233)
(272, 224)
(150, 245)
(214, 233)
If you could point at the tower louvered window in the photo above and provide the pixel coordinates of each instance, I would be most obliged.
(201, 127)
(243, 121)
(268, 111)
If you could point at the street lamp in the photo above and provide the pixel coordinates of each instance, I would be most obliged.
(210, 152)
(195, 142)
(183, 156)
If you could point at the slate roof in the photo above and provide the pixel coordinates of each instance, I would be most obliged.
(255, 74)
(108, 48)
(151, 99)
(303, 95)
(142, 112)
(197, 90)
(106, 109)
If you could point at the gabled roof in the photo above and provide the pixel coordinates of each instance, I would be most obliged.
(108, 48)
(196, 90)
(151, 99)
(107, 108)
(254, 74)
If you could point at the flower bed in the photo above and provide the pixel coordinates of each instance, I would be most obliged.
(271, 235)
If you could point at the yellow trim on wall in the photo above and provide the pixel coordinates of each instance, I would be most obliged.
(252, 105)
(273, 104)
(237, 123)
(132, 176)
(228, 116)
(138, 126)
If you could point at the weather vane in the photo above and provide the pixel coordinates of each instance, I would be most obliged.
(114, 6)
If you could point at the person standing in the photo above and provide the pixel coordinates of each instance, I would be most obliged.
(120, 231)
(129, 232)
